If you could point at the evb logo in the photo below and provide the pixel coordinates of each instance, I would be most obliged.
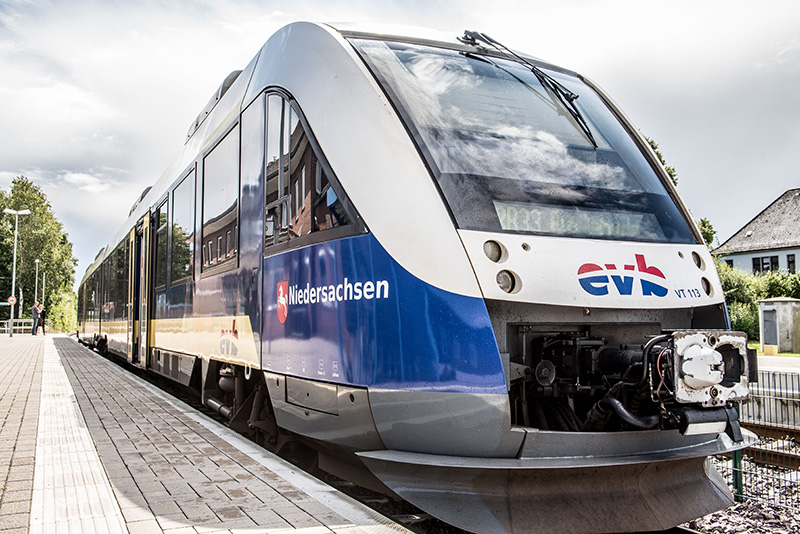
(596, 280)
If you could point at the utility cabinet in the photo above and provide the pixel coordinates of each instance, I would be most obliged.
(780, 325)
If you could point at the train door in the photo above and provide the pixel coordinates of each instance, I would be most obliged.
(140, 284)
(131, 314)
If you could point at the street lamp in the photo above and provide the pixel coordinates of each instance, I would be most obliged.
(36, 285)
(16, 215)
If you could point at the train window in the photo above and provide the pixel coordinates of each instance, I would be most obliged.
(110, 287)
(314, 208)
(182, 260)
(162, 224)
(95, 295)
(275, 114)
(510, 157)
(81, 315)
(221, 193)
(122, 280)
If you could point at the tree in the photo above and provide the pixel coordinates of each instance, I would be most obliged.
(707, 231)
(40, 236)
(673, 174)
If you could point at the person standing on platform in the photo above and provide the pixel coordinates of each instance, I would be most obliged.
(42, 314)
(35, 313)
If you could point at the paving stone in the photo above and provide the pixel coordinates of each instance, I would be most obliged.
(8, 521)
(162, 471)
(14, 507)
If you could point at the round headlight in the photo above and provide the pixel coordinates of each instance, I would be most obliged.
(493, 250)
(698, 261)
(506, 281)
(707, 286)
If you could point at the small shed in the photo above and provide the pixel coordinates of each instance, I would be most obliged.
(780, 325)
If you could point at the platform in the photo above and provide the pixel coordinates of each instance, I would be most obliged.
(88, 447)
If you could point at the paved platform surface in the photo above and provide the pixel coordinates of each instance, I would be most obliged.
(87, 447)
(787, 364)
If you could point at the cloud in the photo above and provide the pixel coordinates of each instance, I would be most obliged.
(96, 96)
(786, 58)
(86, 182)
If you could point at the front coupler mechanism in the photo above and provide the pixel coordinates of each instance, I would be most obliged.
(690, 379)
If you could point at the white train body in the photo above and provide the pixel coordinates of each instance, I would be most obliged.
(461, 267)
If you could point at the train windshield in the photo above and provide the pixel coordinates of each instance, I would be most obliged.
(508, 155)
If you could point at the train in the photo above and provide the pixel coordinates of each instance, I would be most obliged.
(439, 267)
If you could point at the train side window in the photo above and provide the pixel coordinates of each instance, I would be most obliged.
(221, 194)
(162, 223)
(182, 260)
(111, 285)
(278, 202)
(316, 206)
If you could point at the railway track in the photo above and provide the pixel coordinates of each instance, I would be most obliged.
(776, 451)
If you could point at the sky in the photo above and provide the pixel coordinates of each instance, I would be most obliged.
(96, 96)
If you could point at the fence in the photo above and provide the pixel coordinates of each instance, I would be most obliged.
(768, 471)
(21, 326)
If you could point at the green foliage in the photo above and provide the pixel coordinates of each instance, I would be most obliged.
(744, 290)
(40, 236)
(707, 231)
(62, 313)
(744, 318)
(737, 285)
(673, 174)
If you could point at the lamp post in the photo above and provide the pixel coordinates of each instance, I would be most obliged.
(44, 280)
(36, 284)
(16, 215)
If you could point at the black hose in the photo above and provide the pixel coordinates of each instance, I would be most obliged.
(607, 404)
(645, 359)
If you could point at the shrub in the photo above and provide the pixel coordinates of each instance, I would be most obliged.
(744, 290)
(737, 285)
(744, 318)
(62, 312)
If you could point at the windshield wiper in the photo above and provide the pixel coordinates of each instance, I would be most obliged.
(565, 96)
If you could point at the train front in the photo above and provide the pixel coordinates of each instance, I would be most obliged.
(615, 374)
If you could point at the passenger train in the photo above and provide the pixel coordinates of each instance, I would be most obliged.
(441, 267)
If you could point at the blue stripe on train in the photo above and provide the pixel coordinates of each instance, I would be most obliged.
(350, 314)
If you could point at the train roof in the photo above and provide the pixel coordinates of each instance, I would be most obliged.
(230, 97)
(345, 108)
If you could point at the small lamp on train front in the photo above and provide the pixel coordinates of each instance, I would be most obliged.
(16, 215)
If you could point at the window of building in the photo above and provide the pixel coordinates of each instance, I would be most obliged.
(790, 263)
(183, 231)
(729, 263)
(221, 194)
(290, 154)
(162, 223)
(766, 264)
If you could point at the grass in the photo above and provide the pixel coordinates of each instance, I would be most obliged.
(757, 345)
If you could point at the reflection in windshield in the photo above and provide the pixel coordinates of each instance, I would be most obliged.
(493, 136)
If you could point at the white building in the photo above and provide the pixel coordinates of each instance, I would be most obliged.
(769, 242)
